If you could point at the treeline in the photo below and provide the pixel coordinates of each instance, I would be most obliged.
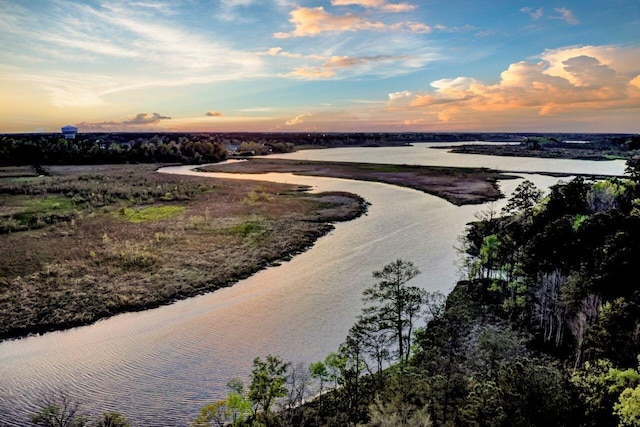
(110, 148)
(196, 148)
(564, 146)
(598, 142)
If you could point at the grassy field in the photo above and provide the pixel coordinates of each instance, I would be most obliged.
(459, 186)
(88, 242)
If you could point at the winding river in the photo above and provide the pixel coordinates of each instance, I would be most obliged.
(159, 367)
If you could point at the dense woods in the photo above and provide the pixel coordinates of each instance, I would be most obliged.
(110, 148)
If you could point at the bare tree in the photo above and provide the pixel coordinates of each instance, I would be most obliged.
(59, 410)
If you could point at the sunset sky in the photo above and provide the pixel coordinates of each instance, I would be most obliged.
(312, 65)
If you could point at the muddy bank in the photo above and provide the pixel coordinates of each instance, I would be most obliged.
(459, 186)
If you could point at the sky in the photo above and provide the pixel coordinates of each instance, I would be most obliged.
(320, 66)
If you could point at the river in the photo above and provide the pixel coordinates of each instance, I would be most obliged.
(160, 366)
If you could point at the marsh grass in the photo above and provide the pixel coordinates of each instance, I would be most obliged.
(455, 184)
(150, 213)
(124, 247)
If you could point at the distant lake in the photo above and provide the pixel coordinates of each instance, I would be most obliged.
(159, 367)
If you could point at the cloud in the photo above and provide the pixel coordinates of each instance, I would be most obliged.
(563, 81)
(151, 48)
(300, 118)
(256, 109)
(145, 119)
(314, 21)
(311, 22)
(564, 14)
(622, 59)
(333, 65)
(317, 73)
(213, 114)
(567, 15)
(400, 95)
(140, 119)
(376, 4)
(418, 27)
(278, 51)
(534, 14)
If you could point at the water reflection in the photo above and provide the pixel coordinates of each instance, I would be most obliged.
(424, 154)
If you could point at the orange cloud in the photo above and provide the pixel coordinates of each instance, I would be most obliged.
(418, 27)
(316, 73)
(314, 21)
(311, 22)
(300, 118)
(277, 51)
(213, 114)
(140, 119)
(330, 67)
(563, 82)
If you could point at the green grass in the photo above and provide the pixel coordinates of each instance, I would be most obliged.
(51, 204)
(35, 213)
(247, 228)
(150, 214)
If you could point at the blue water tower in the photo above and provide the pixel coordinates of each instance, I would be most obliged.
(69, 132)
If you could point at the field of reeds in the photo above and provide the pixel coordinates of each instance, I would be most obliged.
(83, 243)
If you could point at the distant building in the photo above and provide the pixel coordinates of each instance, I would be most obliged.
(69, 132)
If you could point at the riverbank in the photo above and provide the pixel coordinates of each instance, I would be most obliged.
(89, 242)
(460, 186)
(583, 151)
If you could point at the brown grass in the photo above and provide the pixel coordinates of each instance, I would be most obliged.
(459, 186)
(98, 262)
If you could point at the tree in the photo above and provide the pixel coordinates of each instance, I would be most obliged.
(233, 410)
(267, 384)
(298, 381)
(628, 407)
(238, 406)
(396, 306)
(373, 339)
(214, 414)
(60, 411)
(524, 198)
(392, 414)
(112, 419)
(319, 371)
(633, 168)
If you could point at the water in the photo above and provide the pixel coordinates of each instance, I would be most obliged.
(159, 367)
(423, 154)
